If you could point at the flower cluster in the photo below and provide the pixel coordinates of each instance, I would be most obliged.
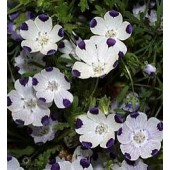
(59, 108)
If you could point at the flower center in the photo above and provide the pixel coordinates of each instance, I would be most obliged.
(98, 69)
(110, 33)
(42, 38)
(140, 137)
(52, 85)
(101, 129)
(44, 130)
(30, 104)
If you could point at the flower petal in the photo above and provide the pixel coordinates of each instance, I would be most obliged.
(113, 19)
(82, 70)
(32, 45)
(63, 98)
(125, 31)
(98, 118)
(49, 49)
(98, 26)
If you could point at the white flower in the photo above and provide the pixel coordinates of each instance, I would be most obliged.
(81, 152)
(152, 17)
(78, 164)
(50, 84)
(24, 64)
(140, 137)
(44, 133)
(137, 165)
(111, 26)
(40, 35)
(25, 107)
(13, 164)
(98, 59)
(137, 10)
(97, 129)
(150, 70)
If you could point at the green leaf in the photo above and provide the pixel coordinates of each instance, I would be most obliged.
(122, 94)
(104, 104)
(61, 126)
(83, 5)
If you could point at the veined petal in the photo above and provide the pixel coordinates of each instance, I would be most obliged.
(63, 98)
(96, 117)
(98, 26)
(55, 34)
(150, 149)
(82, 70)
(130, 151)
(29, 30)
(66, 47)
(43, 23)
(108, 140)
(48, 95)
(113, 19)
(125, 31)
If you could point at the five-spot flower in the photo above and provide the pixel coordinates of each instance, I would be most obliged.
(13, 164)
(139, 136)
(40, 35)
(25, 107)
(97, 59)
(50, 84)
(97, 129)
(111, 26)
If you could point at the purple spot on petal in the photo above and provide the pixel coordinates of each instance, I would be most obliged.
(87, 145)
(9, 102)
(129, 29)
(76, 73)
(132, 163)
(45, 120)
(110, 42)
(34, 81)
(118, 118)
(61, 32)
(127, 156)
(134, 115)
(160, 126)
(154, 152)
(110, 143)
(115, 64)
(66, 102)
(24, 81)
(85, 163)
(93, 23)
(42, 99)
(24, 26)
(48, 69)
(27, 49)
(82, 45)
(113, 13)
(152, 74)
(19, 122)
(79, 123)
(51, 52)
(9, 157)
(52, 161)
(17, 68)
(119, 132)
(121, 54)
(94, 110)
(30, 15)
(43, 17)
(55, 166)
(61, 45)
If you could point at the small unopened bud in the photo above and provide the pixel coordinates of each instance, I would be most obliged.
(150, 70)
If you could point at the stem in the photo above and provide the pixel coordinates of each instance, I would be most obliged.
(130, 77)
(10, 70)
(95, 87)
(158, 111)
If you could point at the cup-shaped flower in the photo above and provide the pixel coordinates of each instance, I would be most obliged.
(13, 164)
(50, 84)
(97, 129)
(40, 35)
(111, 26)
(25, 107)
(140, 137)
(97, 59)
(44, 133)
(25, 62)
